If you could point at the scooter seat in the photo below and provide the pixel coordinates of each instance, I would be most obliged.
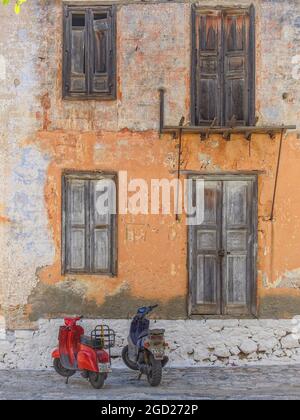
(87, 341)
(157, 332)
(144, 334)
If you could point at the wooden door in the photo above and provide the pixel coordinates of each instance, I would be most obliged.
(223, 249)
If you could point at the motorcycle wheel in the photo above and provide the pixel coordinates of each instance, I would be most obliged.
(97, 379)
(155, 372)
(66, 373)
(131, 365)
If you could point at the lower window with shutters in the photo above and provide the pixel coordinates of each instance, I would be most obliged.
(89, 223)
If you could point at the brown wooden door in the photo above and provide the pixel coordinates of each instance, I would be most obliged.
(223, 248)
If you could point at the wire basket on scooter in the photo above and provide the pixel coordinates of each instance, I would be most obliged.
(103, 338)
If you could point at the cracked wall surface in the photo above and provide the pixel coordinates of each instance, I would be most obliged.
(42, 136)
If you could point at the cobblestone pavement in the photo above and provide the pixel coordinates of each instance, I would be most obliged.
(201, 383)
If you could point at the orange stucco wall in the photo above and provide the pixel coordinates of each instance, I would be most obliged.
(152, 250)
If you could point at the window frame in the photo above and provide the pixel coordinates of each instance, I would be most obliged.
(251, 61)
(88, 176)
(80, 7)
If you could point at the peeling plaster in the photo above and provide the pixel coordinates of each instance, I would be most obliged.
(289, 280)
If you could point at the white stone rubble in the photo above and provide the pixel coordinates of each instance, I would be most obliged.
(191, 343)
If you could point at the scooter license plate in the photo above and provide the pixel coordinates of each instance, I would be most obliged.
(158, 353)
(104, 368)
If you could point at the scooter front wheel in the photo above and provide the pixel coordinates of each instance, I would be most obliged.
(65, 373)
(97, 379)
(131, 365)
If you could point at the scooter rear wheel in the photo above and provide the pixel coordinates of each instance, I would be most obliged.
(97, 379)
(65, 373)
(155, 372)
(131, 365)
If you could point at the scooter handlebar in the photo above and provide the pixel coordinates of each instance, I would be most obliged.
(146, 310)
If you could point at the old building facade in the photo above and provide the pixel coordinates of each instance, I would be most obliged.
(80, 101)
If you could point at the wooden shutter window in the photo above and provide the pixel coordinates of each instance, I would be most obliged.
(223, 89)
(89, 239)
(89, 69)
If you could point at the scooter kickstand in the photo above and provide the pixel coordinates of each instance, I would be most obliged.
(67, 380)
(140, 376)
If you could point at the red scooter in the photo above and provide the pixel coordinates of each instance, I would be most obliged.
(87, 354)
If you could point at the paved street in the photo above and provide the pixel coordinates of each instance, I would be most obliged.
(201, 383)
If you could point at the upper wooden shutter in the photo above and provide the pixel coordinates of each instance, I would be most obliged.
(75, 80)
(224, 67)
(208, 73)
(101, 53)
(236, 63)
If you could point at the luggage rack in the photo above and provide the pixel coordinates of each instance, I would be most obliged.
(103, 337)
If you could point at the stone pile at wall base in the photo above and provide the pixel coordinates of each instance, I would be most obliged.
(192, 343)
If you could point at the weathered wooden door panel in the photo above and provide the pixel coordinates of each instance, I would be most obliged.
(205, 294)
(238, 244)
(222, 249)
